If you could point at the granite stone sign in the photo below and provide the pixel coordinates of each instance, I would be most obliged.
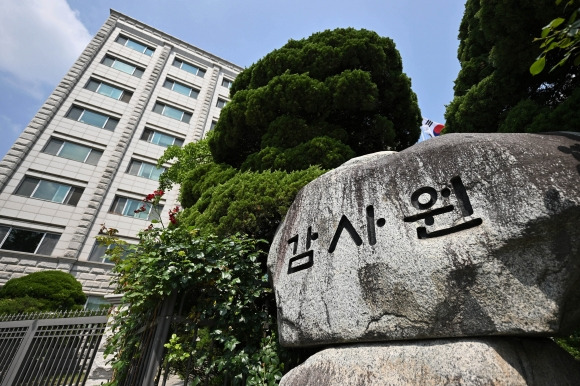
(464, 235)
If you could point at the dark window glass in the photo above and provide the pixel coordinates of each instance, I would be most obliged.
(74, 196)
(111, 124)
(27, 186)
(75, 113)
(94, 157)
(48, 243)
(126, 97)
(23, 240)
(92, 85)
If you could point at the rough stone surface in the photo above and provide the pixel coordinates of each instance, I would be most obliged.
(462, 235)
(486, 361)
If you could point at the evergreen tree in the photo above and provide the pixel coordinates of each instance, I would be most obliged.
(494, 90)
(318, 101)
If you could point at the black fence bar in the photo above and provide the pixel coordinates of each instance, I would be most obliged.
(49, 348)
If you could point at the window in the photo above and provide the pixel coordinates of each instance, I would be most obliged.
(92, 118)
(189, 67)
(108, 90)
(95, 303)
(72, 151)
(98, 253)
(145, 169)
(181, 88)
(227, 83)
(220, 103)
(24, 240)
(122, 66)
(213, 123)
(50, 191)
(161, 139)
(127, 42)
(172, 112)
(127, 206)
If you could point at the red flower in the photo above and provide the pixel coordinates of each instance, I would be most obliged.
(172, 213)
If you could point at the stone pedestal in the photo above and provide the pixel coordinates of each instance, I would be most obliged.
(477, 361)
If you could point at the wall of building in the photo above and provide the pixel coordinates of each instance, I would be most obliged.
(105, 184)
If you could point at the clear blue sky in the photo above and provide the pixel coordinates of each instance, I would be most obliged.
(40, 39)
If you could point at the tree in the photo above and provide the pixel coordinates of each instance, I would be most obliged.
(561, 34)
(494, 90)
(221, 200)
(42, 291)
(318, 101)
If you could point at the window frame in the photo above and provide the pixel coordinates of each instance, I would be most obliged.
(90, 155)
(71, 197)
(129, 204)
(197, 71)
(146, 48)
(192, 90)
(167, 107)
(151, 133)
(95, 255)
(140, 173)
(39, 245)
(229, 82)
(82, 114)
(124, 96)
(137, 71)
(222, 102)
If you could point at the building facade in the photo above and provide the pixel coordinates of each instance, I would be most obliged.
(88, 156)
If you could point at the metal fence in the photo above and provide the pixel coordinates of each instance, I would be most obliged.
(48, 349)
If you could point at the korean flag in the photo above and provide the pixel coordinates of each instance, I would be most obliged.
(430, 129)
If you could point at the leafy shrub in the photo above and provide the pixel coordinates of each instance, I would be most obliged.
(42, 291)
(225, 291)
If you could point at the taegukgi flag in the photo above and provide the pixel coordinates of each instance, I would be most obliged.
(432, 129)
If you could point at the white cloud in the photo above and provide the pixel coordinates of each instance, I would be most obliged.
(39, 40)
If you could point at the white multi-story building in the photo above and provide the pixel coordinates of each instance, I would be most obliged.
(88, 156)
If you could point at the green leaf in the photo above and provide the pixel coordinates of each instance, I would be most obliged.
(577, 60)
(545, 31)
(556, 22)
(538, 66)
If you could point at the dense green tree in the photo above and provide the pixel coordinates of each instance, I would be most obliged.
(221, 200)
(252, 203)
(318, 101)
(42, 291)
(494, 90)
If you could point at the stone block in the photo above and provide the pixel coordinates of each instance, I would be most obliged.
(28, 262)
(98, 271)
(81, 268)
(64, 266)
(462, 235)
(86, 276)
(14, 268)
(9, 260)
(485, 361)
(47, 265)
